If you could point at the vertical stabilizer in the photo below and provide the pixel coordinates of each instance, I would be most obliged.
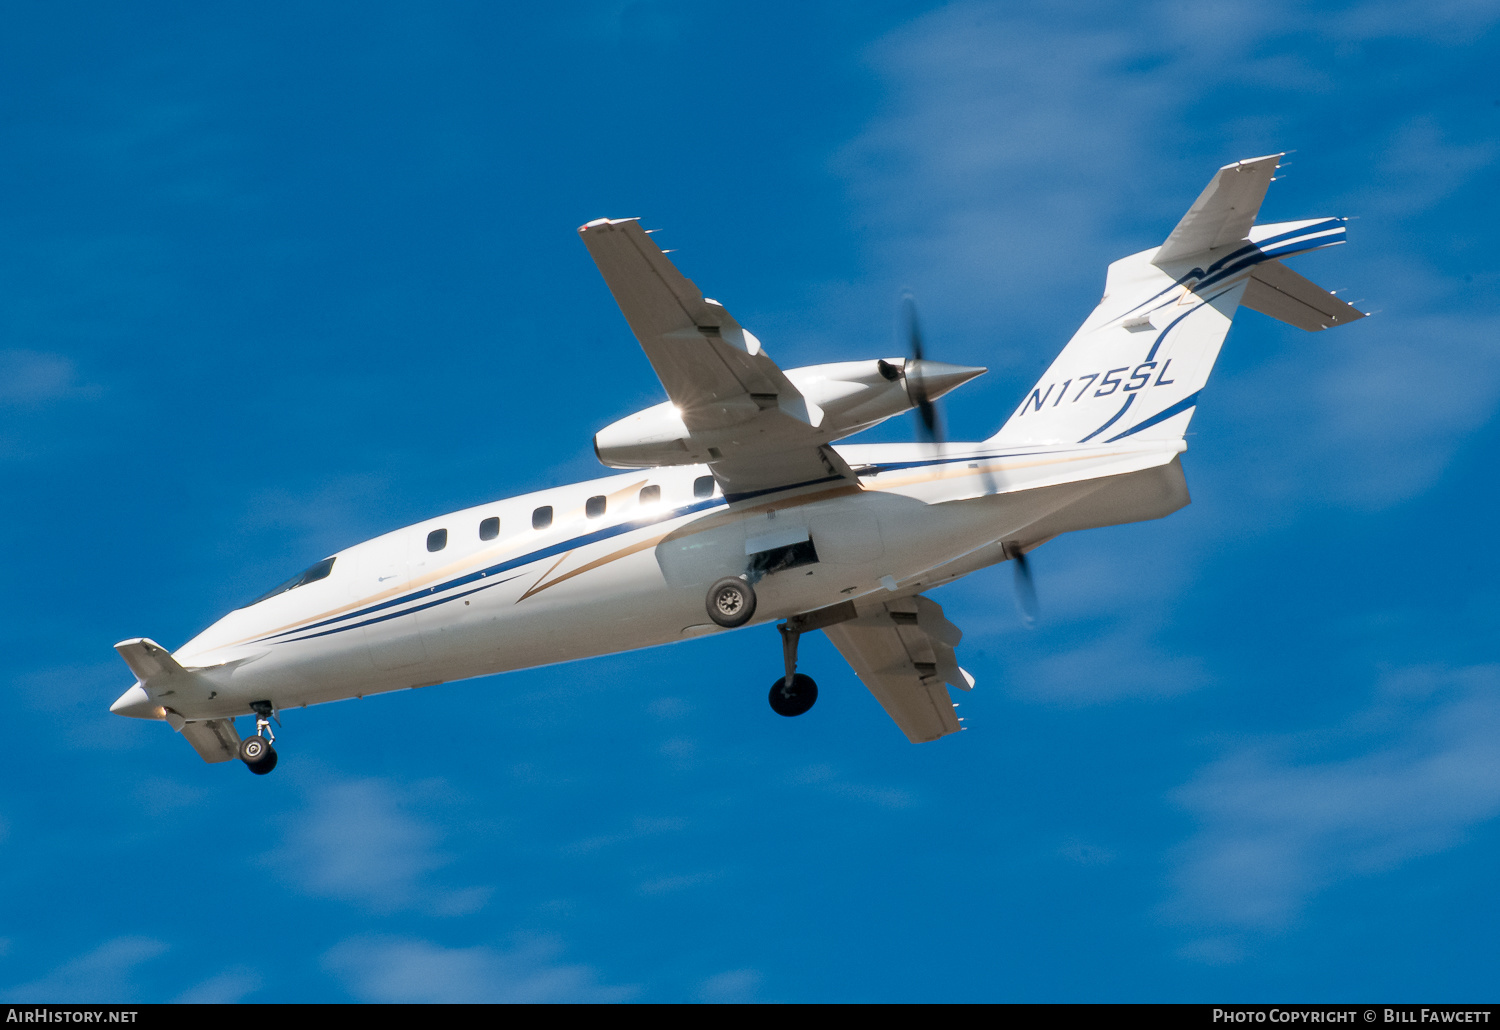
(1135, 368)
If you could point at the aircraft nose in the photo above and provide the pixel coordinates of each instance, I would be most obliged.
(938, 377)
(137, 704)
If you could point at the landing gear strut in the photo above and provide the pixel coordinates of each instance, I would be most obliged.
(793, 693)
(256, 752)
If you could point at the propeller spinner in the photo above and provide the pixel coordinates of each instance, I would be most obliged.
(926, 381)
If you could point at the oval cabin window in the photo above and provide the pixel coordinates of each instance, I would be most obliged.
(489, 529)
(437, 540)
(594, 506)
(542, 517)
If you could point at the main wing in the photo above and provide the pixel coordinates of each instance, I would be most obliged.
(903, 652)
(713, 369)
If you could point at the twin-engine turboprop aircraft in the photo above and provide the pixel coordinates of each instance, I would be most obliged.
(737, 508)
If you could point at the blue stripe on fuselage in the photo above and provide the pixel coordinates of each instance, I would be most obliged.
(526, 559)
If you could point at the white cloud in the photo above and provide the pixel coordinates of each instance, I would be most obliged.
(356, 841)
(226, 988)
(1100, 670)
(1086, 854)
(673, 884)
(830, 781)
(1419, 166)
(393, 969)
(1022, 148)
(77, 699)
(732, 986)
(639, 828)
(32, 377)
(670, 708)
(1019, 148)
(108, 973)
(1367, 421)
(1276, 829)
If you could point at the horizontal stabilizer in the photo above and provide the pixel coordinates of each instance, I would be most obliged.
(1276, 290)
(215, 740)
(1223, 213)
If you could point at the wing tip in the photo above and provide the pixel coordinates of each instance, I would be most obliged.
(606, 223)
(1250, 162)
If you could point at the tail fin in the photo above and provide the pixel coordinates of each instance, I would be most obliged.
(1137, 364)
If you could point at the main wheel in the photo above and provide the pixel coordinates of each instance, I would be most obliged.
(258, 755)
(266, 764)
(797, 698)
(253, 749)
(731, 602)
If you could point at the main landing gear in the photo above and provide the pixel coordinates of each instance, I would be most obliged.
(731, 602)
(793, 693)
(256, 752)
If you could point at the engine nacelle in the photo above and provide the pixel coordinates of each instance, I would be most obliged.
(852, 396)
(647, 439)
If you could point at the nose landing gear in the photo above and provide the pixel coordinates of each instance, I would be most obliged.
(256, 752)
(793, 693)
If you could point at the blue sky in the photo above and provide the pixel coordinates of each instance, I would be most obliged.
(278, 278)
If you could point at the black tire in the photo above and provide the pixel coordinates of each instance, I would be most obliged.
(797, 698)
(731, 602)
(253, 750)
(266, 764)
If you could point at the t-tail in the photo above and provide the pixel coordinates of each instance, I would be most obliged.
(1135, 368)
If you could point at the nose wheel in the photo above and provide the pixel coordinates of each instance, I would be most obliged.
(256, 752)
(794, 697)
(793, 693)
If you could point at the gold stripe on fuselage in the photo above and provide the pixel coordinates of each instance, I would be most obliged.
(883, 484)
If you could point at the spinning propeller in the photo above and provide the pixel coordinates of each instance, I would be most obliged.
(916, 384)
(1025, 588)
(925, 382)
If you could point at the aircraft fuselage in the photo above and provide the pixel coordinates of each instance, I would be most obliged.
(623, 562)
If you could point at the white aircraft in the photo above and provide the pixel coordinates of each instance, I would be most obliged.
(736, 507)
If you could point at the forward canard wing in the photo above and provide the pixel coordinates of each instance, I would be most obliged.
(715, 371)
(903, 652)
(163, 685)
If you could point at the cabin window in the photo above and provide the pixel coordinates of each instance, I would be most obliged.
(703, 486)
(489, 528)
(594, 506)
(650, 494)
(542, 517)
(312, 575)
(437, 540)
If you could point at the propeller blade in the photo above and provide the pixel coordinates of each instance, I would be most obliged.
(916, 386)
(1026, 602)
(932, 431)
(913, 327)
(926, 381)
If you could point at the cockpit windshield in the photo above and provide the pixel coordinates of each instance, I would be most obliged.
(312, 575)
